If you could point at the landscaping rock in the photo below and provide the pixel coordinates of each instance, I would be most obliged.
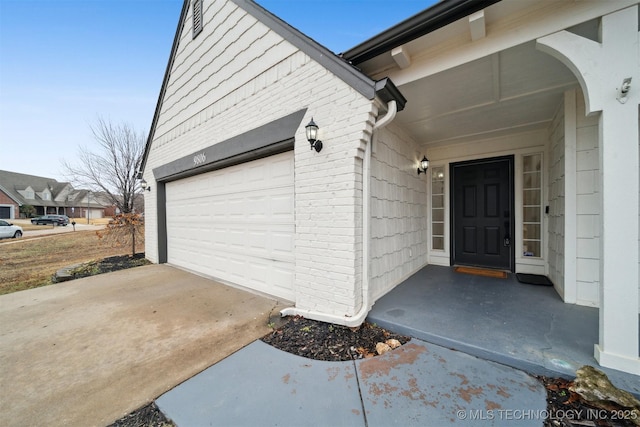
(393, 343)
(594, 386)
(382, 348)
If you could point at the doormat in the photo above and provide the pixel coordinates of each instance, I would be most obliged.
(533, 279)
(482, 272)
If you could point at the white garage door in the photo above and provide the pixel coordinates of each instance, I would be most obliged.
(236, 224)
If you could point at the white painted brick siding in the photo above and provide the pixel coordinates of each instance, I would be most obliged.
(238, 75)
(399, 240)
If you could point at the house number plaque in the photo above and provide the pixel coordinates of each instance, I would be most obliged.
(199, 159)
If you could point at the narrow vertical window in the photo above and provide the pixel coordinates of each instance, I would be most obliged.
(437, 208)
(532, 205)
(197, 17)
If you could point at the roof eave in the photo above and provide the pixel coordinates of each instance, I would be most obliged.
(443, 13)
(11, 195)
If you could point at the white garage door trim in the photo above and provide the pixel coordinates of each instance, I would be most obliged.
(236, 224)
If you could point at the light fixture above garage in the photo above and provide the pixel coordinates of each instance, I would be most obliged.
(424, 165)
(312, 136)
(144, 185)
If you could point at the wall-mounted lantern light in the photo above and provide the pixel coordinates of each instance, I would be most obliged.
(424, 165)
(312, 136)
(144, 185)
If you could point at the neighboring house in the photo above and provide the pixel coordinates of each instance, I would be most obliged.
(47, 196)
(521, 106)
(9, 205)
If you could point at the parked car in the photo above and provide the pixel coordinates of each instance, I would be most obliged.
(8, 230)
(51, 220)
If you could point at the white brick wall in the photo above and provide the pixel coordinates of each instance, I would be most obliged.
(399, 239)
(225, 83)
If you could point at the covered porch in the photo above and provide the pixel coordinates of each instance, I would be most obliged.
(532, 137)
(524, 326)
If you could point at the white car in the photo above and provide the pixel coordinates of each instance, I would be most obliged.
(8, 230)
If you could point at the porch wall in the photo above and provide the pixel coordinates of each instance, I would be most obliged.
(399, 238)
(570, 119)
(588, 206)
(556, 203)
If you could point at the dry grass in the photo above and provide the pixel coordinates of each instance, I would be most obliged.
(30, 263)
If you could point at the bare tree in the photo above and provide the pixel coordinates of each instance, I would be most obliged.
(125, 229)
(111, 166)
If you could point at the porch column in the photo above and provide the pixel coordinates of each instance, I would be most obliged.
(601, 69)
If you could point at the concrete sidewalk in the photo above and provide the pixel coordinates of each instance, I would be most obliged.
(89, 351)
(418, 384)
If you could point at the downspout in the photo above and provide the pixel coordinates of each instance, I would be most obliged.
(358, 318)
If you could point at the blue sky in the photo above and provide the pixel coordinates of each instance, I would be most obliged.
(64, 63)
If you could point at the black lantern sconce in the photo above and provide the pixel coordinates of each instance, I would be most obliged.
(145, 186)
(312, 136)
(424, 165)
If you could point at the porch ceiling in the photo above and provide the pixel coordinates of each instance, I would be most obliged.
(518, 88)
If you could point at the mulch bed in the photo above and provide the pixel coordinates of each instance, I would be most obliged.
(147, 416)
(325, 341)
(110, 264)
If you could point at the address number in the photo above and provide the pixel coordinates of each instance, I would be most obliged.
(199, 159)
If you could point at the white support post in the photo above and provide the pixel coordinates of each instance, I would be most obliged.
(601, 69)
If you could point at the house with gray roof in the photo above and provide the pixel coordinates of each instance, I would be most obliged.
(47, 196)
(483, 133)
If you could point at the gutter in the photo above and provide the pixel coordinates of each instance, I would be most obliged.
(439, 15)
(357, 319)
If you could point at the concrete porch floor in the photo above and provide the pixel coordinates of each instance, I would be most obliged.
(523, 326)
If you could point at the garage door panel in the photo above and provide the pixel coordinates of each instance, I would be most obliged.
(236, 224)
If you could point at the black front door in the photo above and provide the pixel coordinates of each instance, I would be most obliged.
(482, 213)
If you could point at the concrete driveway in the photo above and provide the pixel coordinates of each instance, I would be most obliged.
(87, 352)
